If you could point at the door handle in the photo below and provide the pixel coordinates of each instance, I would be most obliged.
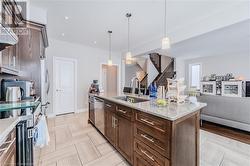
(59, 90)
(114, 122)
(147, 138)
(122, 111)
(146, 154)
(148, 122)
(107, 105)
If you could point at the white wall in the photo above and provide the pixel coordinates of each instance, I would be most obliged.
(239, 65)
(89, 66)
(180, 67)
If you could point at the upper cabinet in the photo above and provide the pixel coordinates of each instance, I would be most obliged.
(10, 63)
(32, 41)
(10, 14)
(9, 21)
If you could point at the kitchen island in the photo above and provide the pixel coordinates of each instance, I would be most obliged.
(146, 134)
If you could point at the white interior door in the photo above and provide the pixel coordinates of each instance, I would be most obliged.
(109, 79)
(64, 85)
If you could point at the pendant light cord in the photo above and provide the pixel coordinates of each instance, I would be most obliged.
(165, 19)
(128, 34)
(128, 15)
(109, 44)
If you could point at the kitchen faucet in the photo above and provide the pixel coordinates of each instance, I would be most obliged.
(133, 85)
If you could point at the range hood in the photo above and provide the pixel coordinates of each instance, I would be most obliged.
(7, 37)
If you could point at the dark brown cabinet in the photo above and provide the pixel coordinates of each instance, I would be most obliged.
(119, 129)
(149, 155)
(125, 137)
(10, 58)
(139, 160)
(147, 140)
(31, 48)
(10, 20)
(110, 128)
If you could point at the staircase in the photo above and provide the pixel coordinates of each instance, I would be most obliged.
(167, 73)
(161, 78)
(144, 81)
(156, 60)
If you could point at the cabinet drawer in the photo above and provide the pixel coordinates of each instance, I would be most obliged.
(149, 154)
(109, 106)
(153, 139)
(124, 111)
(139, 160)
(152, 121)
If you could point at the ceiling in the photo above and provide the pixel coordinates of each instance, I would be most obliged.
(89, 21)
(231, 40)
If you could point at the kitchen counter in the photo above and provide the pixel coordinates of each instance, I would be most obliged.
(146, 134)
(170, 112)
(6, 126)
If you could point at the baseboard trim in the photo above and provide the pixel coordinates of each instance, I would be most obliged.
(52, 115)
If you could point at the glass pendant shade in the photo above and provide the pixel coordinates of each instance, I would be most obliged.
(129, 58)
(165, 43)
(110, 62)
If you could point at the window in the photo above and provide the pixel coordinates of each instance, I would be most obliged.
(195, 75)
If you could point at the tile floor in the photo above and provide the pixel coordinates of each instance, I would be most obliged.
(74, 142)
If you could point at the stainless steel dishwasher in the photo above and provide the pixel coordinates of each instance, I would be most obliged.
(99, 114)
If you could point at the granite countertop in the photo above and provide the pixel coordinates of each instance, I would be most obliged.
(171, 112)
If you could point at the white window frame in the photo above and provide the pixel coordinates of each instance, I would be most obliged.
(190, 74)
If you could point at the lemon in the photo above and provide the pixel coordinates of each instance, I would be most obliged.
(161, 102)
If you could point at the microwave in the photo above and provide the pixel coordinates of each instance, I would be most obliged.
(208, 87)
(232, 88)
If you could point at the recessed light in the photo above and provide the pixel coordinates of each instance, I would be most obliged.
(63, 34)
(95, 42)
(66, 17)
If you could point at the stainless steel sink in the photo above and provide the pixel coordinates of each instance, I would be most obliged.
(131, 99)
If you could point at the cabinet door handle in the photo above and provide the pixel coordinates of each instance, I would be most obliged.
(150, 157)
(112, 122)
(107, 105)
(146, 137)
(115, 122)
(147, 121)
(122, 111)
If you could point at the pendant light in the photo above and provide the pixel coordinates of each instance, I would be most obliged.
(128, 54)
(165, 43)
(109, 60)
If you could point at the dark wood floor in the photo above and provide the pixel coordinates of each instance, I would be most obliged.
(232, 133)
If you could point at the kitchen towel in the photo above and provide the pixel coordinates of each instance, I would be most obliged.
(41, 133)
